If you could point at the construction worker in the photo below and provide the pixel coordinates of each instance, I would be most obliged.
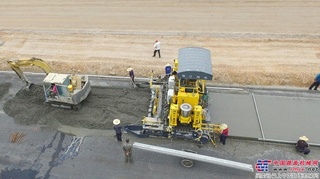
(316, 82)
(175, 67)
(54, 90)
(127, 149)
(302, 145)
(131, 74)
(168, 69)
(118, 129)
(224, 133)
(156, 48)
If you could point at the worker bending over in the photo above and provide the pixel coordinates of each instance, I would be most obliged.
(302, 145)
(131, 74)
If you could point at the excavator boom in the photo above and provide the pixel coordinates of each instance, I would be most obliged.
(15, 65)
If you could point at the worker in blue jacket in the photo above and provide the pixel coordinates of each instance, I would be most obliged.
(316, 82)
(168, 69)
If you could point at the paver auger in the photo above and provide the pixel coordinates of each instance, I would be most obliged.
(179, 102)
(60, 90)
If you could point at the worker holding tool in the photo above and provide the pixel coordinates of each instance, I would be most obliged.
(127, 149)
(118, 129)
(131, 74)
(316, 82)
(224, 133)
(302, 145)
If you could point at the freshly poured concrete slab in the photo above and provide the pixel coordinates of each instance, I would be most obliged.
(237, 111)
(288, 118)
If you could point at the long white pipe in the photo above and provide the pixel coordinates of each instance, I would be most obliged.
(193, 156)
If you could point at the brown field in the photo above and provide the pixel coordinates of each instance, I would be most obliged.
(251, 42)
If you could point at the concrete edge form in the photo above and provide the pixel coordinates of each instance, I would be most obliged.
(286, 141)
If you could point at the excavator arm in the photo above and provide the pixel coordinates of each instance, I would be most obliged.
(15, 65)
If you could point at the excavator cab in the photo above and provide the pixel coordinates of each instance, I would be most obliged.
(55, 86)
(66, 90)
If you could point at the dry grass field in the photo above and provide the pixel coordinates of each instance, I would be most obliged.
(259, 42)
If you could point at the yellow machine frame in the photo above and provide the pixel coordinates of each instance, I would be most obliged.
(179, 101)
(188, 91)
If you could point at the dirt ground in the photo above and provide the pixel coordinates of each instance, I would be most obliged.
(4, 88)
(251, 42)
(97, 111)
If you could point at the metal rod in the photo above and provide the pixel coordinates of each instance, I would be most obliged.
(159, 105)
(286, 141)
(258, 116)
(224, 88)
(193, 156)
(290, 97)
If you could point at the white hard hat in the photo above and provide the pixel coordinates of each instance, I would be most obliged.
(303, 138)
(116, 121)
(223, 126)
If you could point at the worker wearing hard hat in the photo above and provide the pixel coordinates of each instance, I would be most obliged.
(302, 145)
(118, 129)
(224, 133)
(131, 73)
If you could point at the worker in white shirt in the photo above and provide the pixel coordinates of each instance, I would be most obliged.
(156, 49)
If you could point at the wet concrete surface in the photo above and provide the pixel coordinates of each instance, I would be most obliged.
(18, 173)
(237, 111)
(101, 156)
(284, 115)
(287, 118)
(101, 107)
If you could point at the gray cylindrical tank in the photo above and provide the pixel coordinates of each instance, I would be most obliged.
(185, 109)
